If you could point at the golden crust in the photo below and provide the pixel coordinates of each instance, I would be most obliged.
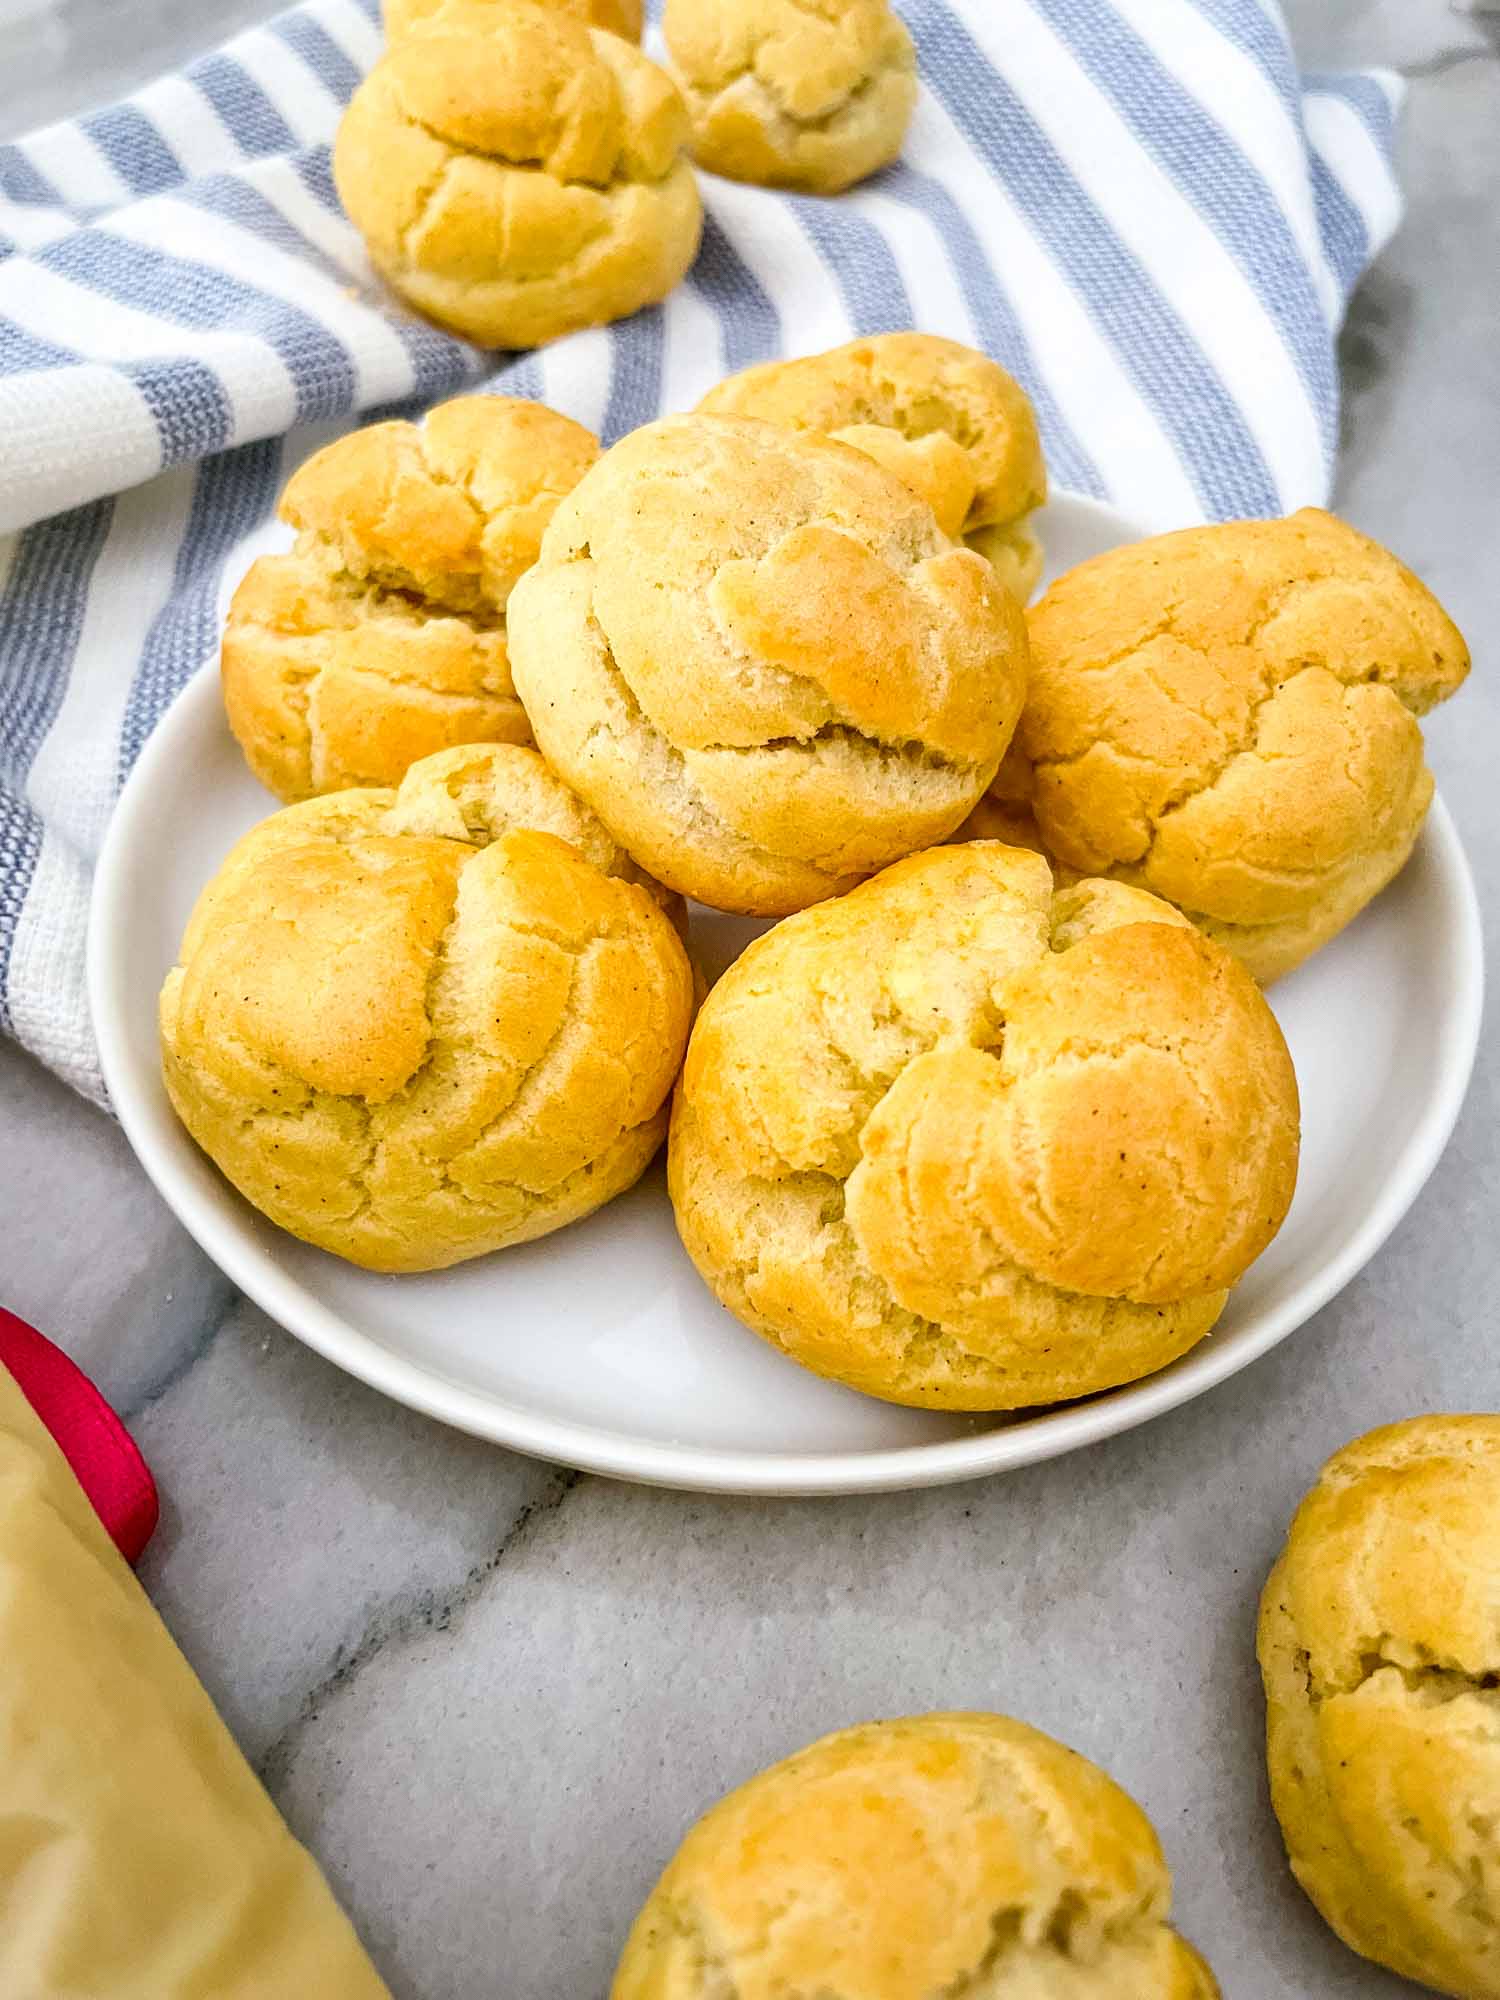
(412, 1027)
(452, 509)
(966, 1142)
(380, 638)
(949, 421)
(761, 662)
(1380, 1653)
(932, 1854)
(811, 94)
(517, 175)
(1227, 716)
(620, 17)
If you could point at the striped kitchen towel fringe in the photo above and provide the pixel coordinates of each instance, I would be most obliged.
(1138, 206)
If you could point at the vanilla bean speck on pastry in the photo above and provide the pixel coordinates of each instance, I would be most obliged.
(620, 17)
(380, 638)
(1380, 1651)
(517, 174)
(945, 418)
(1227, 716)
(415, 1026)
(965, 1142)
(906, 1860)
(810, 94)
(757, 656)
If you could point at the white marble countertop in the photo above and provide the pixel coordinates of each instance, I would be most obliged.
(490, 1694)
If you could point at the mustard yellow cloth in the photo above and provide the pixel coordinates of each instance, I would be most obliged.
(140, 1858)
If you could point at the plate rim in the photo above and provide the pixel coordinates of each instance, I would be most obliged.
(703, 1468)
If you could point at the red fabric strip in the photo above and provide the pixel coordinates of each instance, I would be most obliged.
(95, 1443)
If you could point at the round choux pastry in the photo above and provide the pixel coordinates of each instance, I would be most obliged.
(758, 658)
(620, 17)
(1380, 1651)
(414, 1026)
(937, 1854)
(941, 416)
(380, 638)
(809, 94)
(517, 175)
(968, 1143)
(1227, 716)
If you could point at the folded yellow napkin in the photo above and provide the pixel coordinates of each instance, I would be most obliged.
(140, 1857)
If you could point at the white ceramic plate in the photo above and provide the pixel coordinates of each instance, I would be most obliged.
(600, 1346)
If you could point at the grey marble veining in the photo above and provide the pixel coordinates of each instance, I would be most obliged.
(351, 1519)
(87, 1248)
(490, 1693)
(63, 56)
(1417, 37)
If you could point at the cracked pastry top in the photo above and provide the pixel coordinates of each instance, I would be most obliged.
(620, 17)
(1227, 716)
(965, 1142)
(380, 638)
(1380, 1651)
(415, 1026)
(930, 1855)
(949, 421)
(757, 656)
(810, 94)
(517, 174)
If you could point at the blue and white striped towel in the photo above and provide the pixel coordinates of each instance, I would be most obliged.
(1137, 205)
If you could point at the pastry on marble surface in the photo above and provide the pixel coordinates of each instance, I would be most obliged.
(517, 175)
(809, 94)
(1380, 1651)
(1227, 716)
(757, 656)
(620, 17)
(380, 638)
(965, 1143)
(935, 1854)
(940, 415)
(415, 1026)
